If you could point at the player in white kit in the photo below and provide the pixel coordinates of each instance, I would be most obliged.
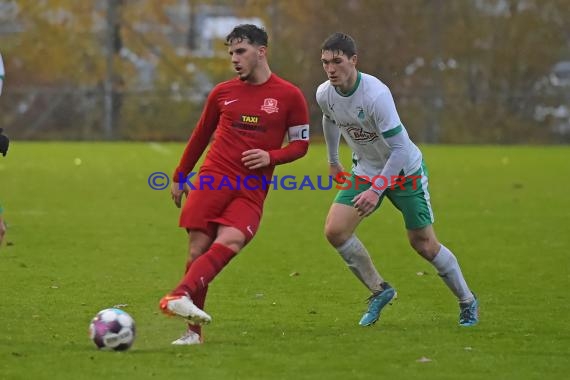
(386, 163)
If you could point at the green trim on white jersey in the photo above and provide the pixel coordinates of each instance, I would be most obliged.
(366, 118)
(393, 132)
(358, 76)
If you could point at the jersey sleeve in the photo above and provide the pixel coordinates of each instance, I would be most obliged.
(396, 162)
(330, 131)
(298, 117)
(385, 115)
(200, 137)
(297, 132)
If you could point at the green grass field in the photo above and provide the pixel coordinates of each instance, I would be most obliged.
(86, 237)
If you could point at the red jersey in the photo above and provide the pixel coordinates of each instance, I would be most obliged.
(243, 116)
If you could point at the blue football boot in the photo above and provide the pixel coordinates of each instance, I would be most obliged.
(469, 312)
(376, 303)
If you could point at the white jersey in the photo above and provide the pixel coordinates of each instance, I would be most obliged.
(2, 73)
(365, 117)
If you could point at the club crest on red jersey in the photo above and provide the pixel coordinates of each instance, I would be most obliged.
(270, 105)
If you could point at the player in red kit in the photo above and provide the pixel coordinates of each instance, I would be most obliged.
(249, 117)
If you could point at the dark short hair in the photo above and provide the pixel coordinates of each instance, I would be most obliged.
(254, 34)
(340, 42)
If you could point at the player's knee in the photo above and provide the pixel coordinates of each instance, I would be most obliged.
(425, 246)
(196, 251)
(336, 235)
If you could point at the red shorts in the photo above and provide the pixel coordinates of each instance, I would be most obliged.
(206, 209)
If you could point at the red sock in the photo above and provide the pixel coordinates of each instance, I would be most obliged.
(203, 270)
(199, 299)
(188, 264)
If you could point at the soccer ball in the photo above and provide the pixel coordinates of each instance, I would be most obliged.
(112, 329)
